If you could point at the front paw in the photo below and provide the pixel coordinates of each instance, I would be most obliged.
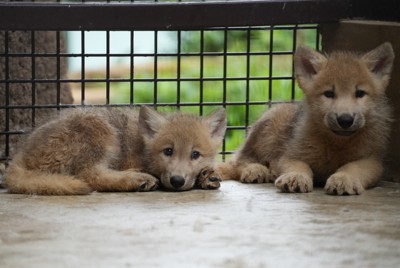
(144, 183)
(342, 184)
(255, 173)
(208, 179)
(294, 182)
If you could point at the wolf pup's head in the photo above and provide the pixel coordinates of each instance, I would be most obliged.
(343, 89)
(179, 146)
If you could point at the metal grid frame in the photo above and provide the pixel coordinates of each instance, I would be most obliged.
(334, 9)
(133, 82)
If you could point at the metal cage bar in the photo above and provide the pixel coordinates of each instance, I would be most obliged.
(187, 15)
(33, 80)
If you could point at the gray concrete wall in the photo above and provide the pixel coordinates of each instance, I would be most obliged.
(364, 36)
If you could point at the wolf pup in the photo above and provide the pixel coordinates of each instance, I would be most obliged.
(118, 150)
(337, 136)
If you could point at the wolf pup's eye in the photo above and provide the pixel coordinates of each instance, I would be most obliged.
(330, 94)
(360, 93)
(195, 155)
(168, 151)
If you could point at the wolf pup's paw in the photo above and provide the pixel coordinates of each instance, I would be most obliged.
(293, 182)
(208, 179)
(145, 183)
(255, 173)
(342, 184)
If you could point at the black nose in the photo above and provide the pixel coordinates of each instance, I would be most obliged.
(177, 181)
(345, 121)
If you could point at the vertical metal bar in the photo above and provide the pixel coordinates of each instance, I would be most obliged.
(271, 48)
(178, 89)
(224, 75)
(83, 68)
(7, 92)
(58, 67)
(293, 88)
(155, 68)
(33, 71)
(317, 38)
(201, 71)
(132, 64)
(107, 67)
(247, 112)
(224, 83)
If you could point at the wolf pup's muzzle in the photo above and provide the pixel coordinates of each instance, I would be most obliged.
(345, 121)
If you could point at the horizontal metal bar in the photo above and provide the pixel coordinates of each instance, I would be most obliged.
(168, 15)
(141, 80)
(182, 54)
(23, 132)
(16, 132)
(159, 104)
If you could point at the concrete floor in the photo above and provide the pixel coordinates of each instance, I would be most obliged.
(237, 226)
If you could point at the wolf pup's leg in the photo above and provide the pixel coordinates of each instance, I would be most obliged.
(256, 173)
(245, 172)
(296, 176)
(103, 179)
(255, 161)
(354, 177)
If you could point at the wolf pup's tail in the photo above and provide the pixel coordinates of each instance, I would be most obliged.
(20, 180)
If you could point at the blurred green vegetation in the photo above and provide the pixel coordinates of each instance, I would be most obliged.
(211, 42)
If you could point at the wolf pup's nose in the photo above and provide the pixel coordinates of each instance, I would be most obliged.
(345, 121)
(177, 181)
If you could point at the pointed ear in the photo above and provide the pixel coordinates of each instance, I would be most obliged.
(307, 63)
(380, 61)
(216, 121)
(150, 121)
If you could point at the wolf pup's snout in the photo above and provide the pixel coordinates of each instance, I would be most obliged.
(177, 181)
(345, 120)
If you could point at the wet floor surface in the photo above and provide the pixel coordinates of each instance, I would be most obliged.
(239, 225)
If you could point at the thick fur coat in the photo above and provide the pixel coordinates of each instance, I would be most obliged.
(97, 149)
(337, 136)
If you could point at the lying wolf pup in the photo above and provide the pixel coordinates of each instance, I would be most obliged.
(337, 136)
(118, 150)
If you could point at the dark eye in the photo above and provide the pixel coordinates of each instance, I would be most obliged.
(360, 93)
(329, 94)
(168, 151)
(195, 155)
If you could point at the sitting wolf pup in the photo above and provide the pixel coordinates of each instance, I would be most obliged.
(118, 150)
(337, 136)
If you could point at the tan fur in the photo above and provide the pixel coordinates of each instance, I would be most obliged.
(336, 136)
(117, 150)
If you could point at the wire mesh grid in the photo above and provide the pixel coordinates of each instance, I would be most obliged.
(243, 69)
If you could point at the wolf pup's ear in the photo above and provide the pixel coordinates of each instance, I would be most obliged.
(307, 63)
(380, 62)
(216, 121)
(150, 121)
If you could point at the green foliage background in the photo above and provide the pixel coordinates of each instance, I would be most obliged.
(212, 44)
